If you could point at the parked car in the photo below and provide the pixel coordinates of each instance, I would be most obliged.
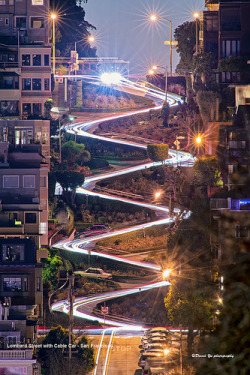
(147, 356)
(96, 273)
(96, 229)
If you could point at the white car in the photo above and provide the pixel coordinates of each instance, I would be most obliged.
(95, 273)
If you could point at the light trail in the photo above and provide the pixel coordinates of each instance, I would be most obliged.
(85, 245)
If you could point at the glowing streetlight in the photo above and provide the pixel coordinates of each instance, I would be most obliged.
(196, 16)
(154, 18)
(157, 194)
(151, 72)
(53, 17)
(198, 141)
(91, 38)
(166, 274)
(111, 78)
(166, 351)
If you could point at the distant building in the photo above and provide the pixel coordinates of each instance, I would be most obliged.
(24, 194)
(25, 58)
(226, 33)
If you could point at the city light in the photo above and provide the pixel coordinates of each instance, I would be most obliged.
(53, 16)
(153, 17)
(196, 15)
(112, 78)
(157, 194)
(166, 274)
(166, 351)
(198, 140)
(91, 38)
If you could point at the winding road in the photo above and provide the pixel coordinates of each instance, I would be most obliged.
(83, 306)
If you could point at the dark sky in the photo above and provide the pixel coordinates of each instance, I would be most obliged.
(124, 29)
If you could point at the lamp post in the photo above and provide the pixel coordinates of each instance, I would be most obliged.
(198, 142)
(153, 17)
(196, 16)
(53, 17)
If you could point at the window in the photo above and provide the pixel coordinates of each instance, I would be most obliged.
(30, 218)
(27, 109)
(10, 182)
(12, 284)
(43, 228)
(230, 48)
(26, 84)
(29, 181)
(241, 231)
(212, 22)
(37, 2)
(25, 60)
(46, 84)
(21, 22)
(37, 109)
(37, 22)
(36, 60)
(230, 19)
(12, 253)
(46, 60)
(9, 108)
(2, 2)
(36, 84)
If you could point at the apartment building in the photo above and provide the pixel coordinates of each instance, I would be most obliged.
(226, 33)
(24, 194)
(25, 58)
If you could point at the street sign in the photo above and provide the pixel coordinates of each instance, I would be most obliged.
(105, 310)
(174, 43)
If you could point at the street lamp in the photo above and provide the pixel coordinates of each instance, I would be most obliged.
(166, 274)
(90, 39)
(153, 18)
(196, 16)
(198, 141)
(53, 17)
(157, 194)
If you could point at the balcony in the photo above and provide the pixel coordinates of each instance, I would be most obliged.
(16, 354)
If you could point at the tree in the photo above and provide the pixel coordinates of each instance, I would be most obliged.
(207, 172)
(157, 152)
(203, 63)
(165, 110)
(54, 354)
(187, 118)
(231, 337)
(188, 309)
(208, 102)
(72, 153)
(51, 269)
(185, 35)
(73, 27)
(69, 182)
(174, 177)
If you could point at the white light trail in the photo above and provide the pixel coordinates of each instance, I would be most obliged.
(85, 245)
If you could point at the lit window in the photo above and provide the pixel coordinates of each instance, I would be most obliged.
(26, 84)
(25, 60)
(10, 182)
(37, 22)
(37, 109)
(12, 284)
(29, 181)
(37, 2)
(36, 84)
(37, 60)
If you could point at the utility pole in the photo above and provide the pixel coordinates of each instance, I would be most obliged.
(71, 317)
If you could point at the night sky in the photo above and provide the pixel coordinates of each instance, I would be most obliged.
(125, 31)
